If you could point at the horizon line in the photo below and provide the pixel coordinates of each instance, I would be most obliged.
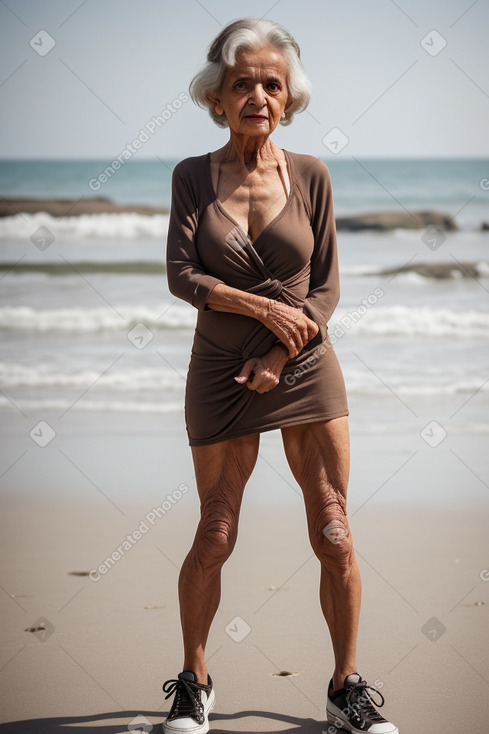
(154, 159)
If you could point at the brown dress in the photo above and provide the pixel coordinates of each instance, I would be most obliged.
(293, 260)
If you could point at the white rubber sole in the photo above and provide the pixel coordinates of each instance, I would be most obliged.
(173, 727)
(337, 719)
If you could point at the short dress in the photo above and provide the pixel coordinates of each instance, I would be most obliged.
(293, 260)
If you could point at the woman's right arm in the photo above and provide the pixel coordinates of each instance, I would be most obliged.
(290, 325)
(187, 278)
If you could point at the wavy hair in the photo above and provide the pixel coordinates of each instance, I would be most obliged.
(250, 34)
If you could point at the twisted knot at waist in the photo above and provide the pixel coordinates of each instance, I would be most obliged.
(271, 288)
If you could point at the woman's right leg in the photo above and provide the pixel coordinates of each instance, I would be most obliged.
(221, 471)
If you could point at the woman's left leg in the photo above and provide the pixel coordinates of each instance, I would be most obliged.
(319, 457)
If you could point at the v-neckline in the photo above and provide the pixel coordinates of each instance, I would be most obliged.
(228, 216)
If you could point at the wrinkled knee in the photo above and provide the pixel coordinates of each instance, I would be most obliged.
(330, 534)
(214, 541)
(335, 542)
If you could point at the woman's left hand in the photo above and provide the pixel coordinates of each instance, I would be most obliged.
(266, 370)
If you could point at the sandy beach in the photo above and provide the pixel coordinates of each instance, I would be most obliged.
(101, 646)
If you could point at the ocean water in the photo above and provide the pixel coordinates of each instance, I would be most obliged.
(458, 187)
(88, 326)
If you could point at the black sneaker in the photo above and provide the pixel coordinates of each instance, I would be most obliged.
(352, 708)
(191, 706)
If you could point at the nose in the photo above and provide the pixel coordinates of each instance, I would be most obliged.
(257, 96)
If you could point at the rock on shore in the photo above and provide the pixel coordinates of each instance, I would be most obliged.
(442, 270)
(385, 221)
(72, 207)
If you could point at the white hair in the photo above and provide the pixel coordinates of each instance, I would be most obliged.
(250, 34)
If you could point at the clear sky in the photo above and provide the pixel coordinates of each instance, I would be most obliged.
(404, 78)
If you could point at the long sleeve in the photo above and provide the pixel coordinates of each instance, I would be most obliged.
(187, 278)
(324, 286)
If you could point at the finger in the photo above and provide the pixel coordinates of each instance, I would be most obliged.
(258, 376)
(260, 380)
(313, 328)
(293, 350)
(255, 381)
(299, 341)
(245, 373)
(307, 330)
(289, 342)
(295, 341)
(259, 384)
(264, 384)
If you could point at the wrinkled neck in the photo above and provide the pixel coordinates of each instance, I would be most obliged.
(250, 150)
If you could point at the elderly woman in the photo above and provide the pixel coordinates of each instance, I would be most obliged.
(252, 246)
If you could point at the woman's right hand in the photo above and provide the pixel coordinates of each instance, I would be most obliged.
(290, 325)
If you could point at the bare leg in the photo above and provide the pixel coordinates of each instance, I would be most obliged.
(319, 457)
(221, 471)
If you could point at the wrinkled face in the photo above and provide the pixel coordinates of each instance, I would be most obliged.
(254, 92)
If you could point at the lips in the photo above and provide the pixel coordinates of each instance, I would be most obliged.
(256, 117)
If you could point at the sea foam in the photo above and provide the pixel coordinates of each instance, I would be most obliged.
(86, 226)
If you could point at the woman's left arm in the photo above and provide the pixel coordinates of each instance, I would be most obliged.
(324, 288)
(324, 284)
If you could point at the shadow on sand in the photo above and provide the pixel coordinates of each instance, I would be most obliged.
(95, 723)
